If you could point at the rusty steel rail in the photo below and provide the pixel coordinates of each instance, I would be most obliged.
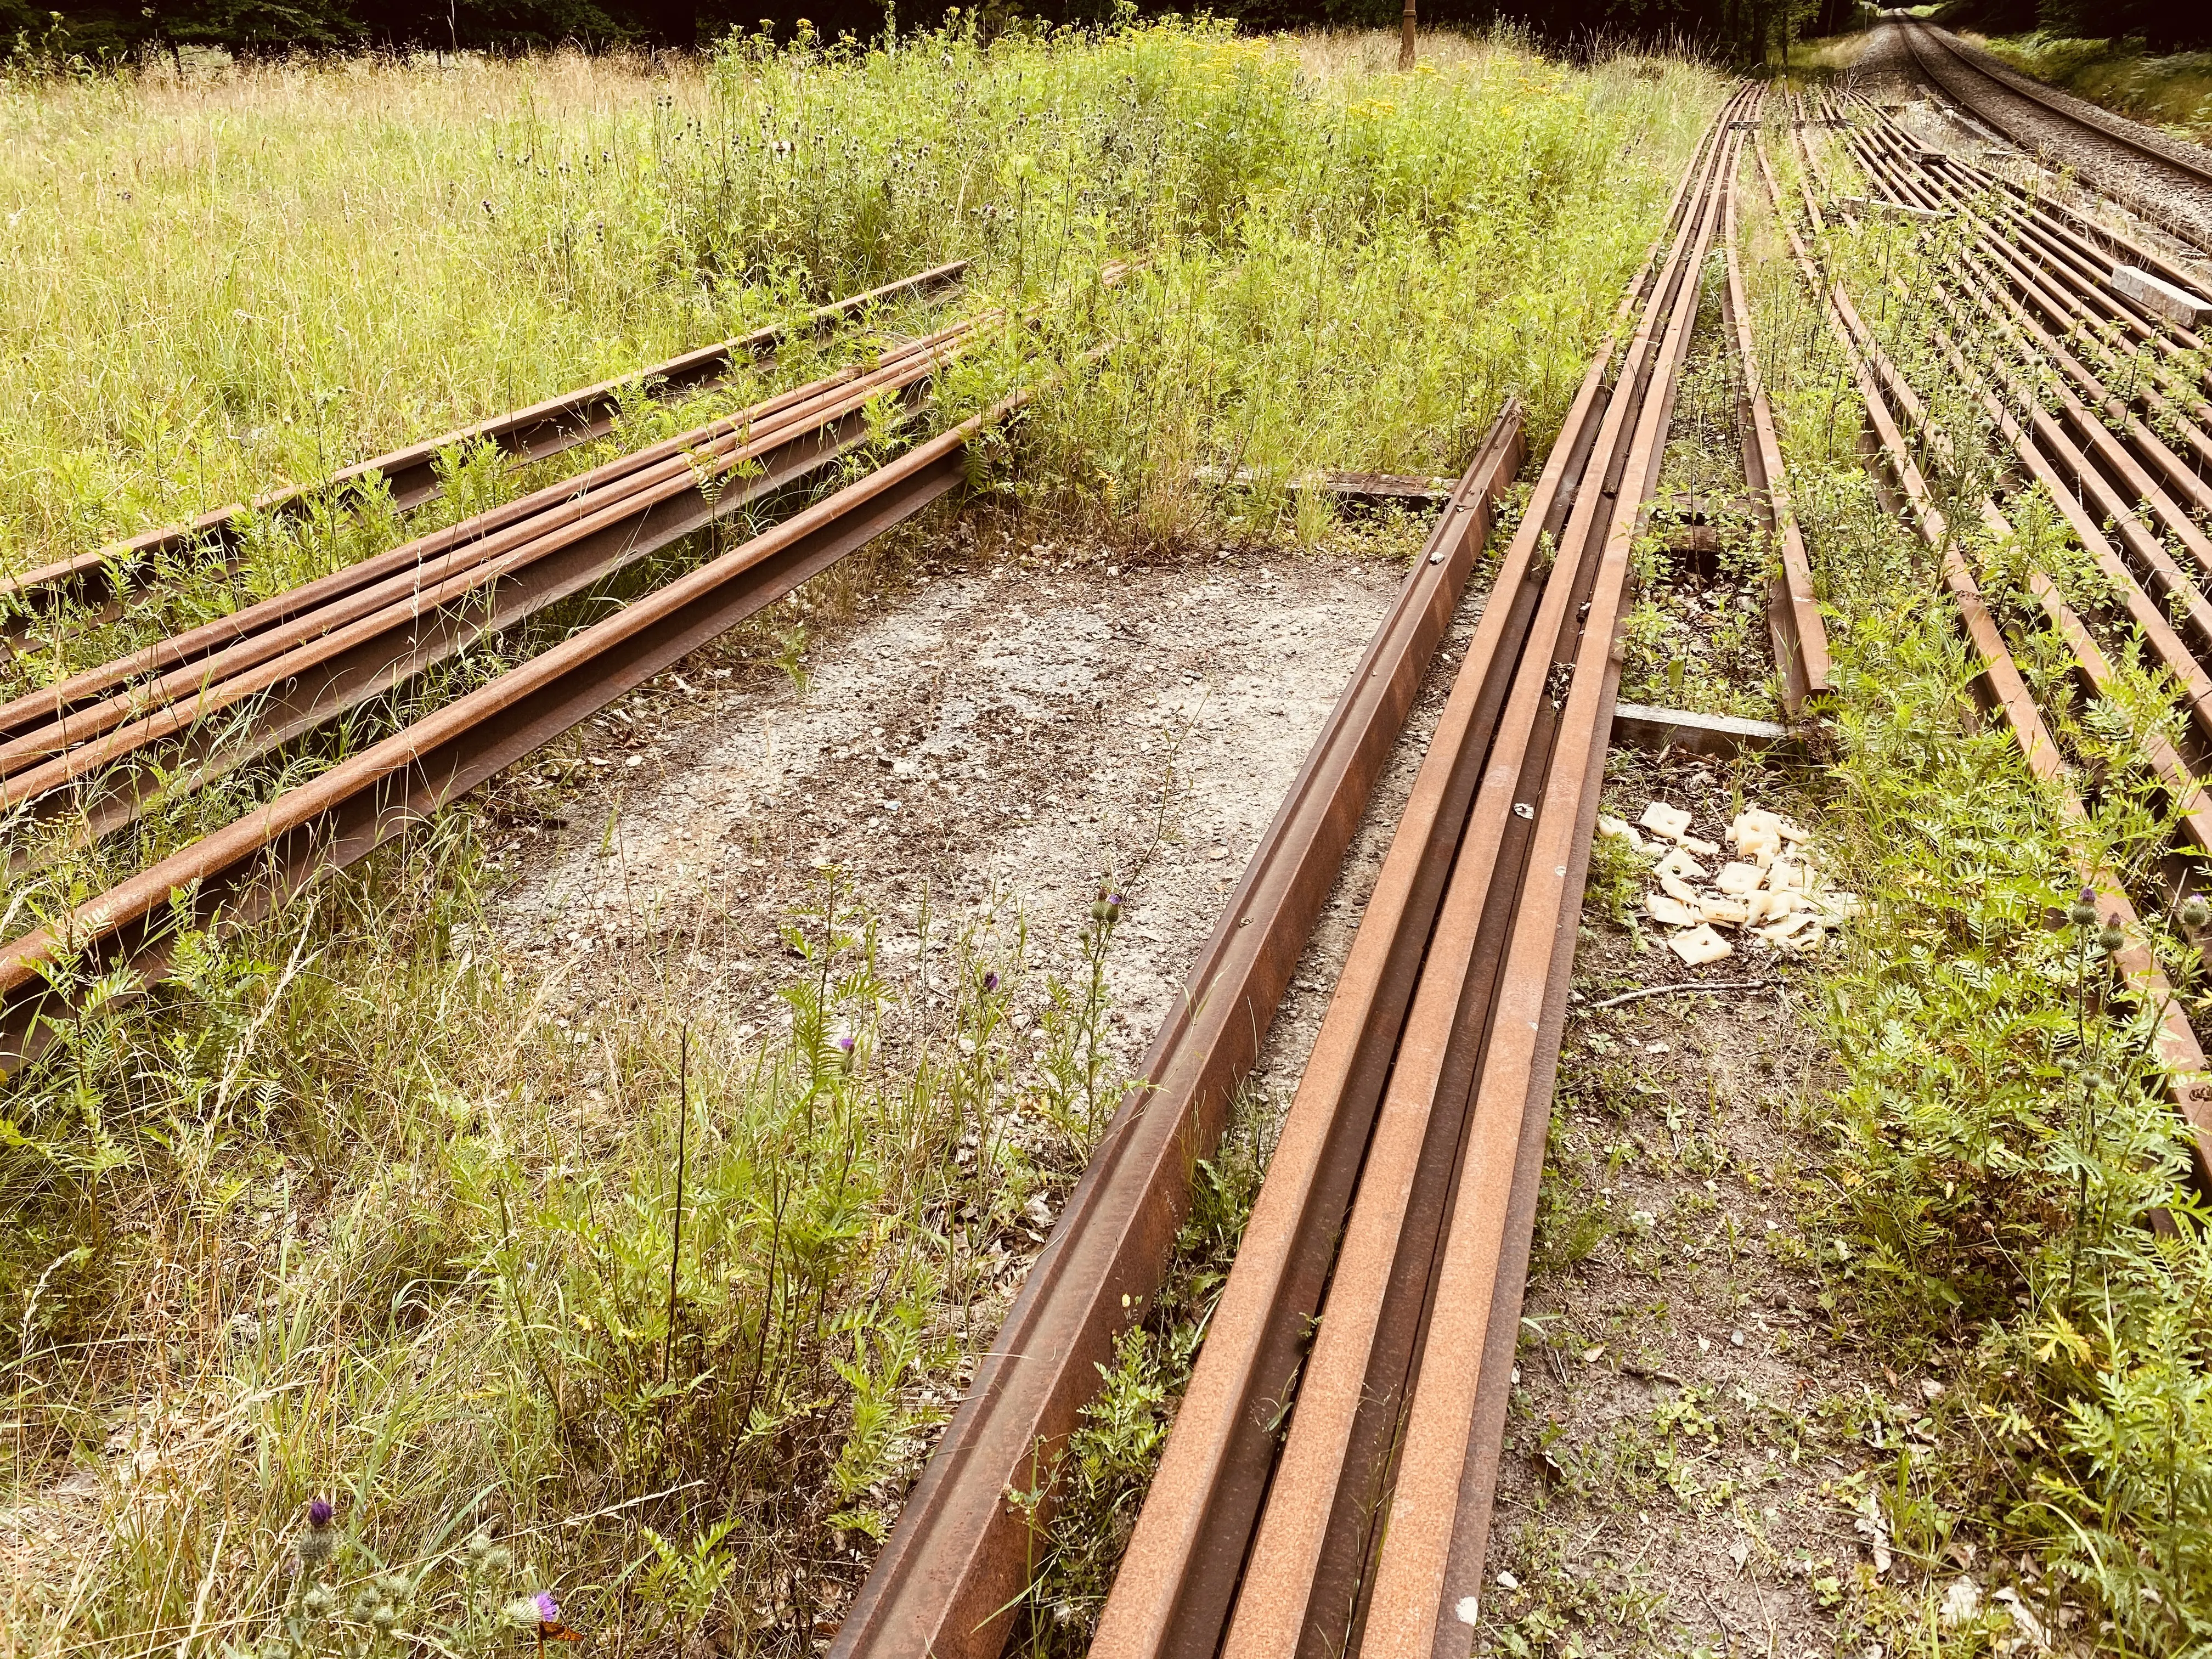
(1793, 614)
(298, 660)
(2123, 478)
(2050, 458)
(2188, 1078)
(956, 1564)
(410, 474)
(242, 872)
(1402, 1128)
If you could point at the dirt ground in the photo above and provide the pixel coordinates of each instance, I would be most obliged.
(1025, 724)
(1694, 1431)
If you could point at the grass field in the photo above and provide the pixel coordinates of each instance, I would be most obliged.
(353, 1213)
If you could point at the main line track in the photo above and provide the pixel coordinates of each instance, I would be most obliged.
(2154, 174)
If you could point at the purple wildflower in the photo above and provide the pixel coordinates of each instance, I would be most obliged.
(319, 1542)
(549, 1610)
(846, 1043)
(990, 981)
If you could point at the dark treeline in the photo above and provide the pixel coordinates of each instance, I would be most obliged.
(2162, 25)
(1737, 31)
(1733, 29)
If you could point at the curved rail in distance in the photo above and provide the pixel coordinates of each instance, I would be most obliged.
(1917, 32)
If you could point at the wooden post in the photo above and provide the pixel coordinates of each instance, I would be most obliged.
(1405, 41)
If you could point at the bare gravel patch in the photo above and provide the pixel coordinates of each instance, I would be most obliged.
(1024, 722)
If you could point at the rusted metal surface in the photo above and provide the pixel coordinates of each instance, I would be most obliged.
(242, 871)
(1793, 614)
(1180, 1571)
(1427, 1573)
(960, 1554)
(410, 474)
(1238, 1549)
(1302, 1585)
(2188, 1081)
(300, 659)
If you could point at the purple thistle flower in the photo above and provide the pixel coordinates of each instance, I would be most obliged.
(990, 981)
(319, 1542)
(846, 1043)
(549, 1610)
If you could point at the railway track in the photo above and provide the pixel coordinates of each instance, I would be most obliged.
(103, 578)
(122, 939)
(2159, 173)
(2070, 374)
(87, 757)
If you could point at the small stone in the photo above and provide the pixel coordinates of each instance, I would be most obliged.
(1507, 1581)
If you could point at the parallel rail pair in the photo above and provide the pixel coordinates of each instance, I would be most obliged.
(1961, 76)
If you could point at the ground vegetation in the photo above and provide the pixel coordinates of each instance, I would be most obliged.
(642, 1313)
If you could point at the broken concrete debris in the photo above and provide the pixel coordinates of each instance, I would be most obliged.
(1772, 891)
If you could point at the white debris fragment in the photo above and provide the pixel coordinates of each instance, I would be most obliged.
(1619, 830)
(1670, 911)
(1676, 887)
(1701, 945)
(1739, 879)
(1961, 1602)
(1661, 819)
(1732, 912)
(1703, 849)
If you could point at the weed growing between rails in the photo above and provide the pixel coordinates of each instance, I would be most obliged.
(2002, 1149)
(352, 1214)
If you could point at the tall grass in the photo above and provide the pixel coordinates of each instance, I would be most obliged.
(356, 1206)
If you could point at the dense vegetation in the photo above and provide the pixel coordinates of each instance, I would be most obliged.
(2161, 25)
(363, 1207)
